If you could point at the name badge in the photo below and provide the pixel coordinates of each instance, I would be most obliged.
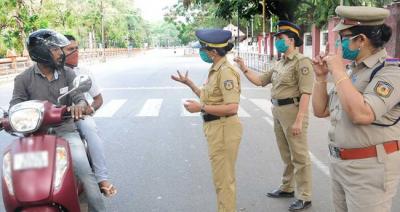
(63, 90)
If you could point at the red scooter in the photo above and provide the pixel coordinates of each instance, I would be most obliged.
(37, 173)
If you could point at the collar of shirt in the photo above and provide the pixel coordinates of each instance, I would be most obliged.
(218, 65)
(37, 71)
(291, 55)
(372, 60)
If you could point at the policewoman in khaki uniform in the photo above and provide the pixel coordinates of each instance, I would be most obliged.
(364, 110)
(292, 82)
(219, 102)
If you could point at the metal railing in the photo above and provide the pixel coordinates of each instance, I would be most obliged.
(256, 61)
(9, 67)
(12, 66)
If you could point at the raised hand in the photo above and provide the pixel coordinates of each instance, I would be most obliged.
(181, 78)
(240, 62)
(334, 60)
(320, 67)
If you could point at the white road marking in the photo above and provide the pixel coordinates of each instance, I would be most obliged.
(242, 97)
(324, 168)
(269, 120)
(263, 104)
(151, 108)
(320, 165)
(110, 108)
(185, 112)
(242, 112)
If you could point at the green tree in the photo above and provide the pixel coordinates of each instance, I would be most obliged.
(123, 24)
(187, 20)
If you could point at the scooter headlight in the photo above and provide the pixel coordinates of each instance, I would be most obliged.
(7, 172)
(26, 117)
(61, 166)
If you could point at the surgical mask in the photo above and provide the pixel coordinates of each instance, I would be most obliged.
(347, 53)
(281, 46)
(204, 56)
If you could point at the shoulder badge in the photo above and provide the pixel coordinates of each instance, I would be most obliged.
(304, 70)
(383, 89)
(228, 84)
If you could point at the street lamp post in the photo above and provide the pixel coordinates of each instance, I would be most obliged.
(103, 59)
(263, 35)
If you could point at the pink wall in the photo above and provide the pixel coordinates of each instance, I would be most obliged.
(393, 46)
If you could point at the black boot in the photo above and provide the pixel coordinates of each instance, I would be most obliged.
(280, 194)
(299, 205)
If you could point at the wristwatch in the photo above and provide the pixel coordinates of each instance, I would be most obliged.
(202, 108)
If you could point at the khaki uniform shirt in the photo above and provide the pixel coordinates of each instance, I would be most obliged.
(382, 94)
(222, 86)
(291, 76)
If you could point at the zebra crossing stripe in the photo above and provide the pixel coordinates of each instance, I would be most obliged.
(242, 112)
(263, 104)
(269, 120)
(151, 108)
(184, 111)
(110, 108)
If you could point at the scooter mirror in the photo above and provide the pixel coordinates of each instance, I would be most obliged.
(82, 83)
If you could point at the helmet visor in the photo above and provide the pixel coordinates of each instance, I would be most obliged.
(57, 40)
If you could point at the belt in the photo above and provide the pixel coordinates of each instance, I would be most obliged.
(288, 101)
(360, 153)
(209, 117)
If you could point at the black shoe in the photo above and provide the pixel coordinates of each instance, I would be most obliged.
(280, 194)
(299, 205)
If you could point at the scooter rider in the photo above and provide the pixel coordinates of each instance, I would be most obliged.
(47, 79)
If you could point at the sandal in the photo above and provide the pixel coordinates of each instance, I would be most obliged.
(108, 191)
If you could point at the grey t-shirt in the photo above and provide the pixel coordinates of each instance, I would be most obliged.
(33, 85)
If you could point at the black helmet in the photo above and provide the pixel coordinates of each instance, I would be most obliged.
(41, 42)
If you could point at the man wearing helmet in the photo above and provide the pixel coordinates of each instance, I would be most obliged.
(47, 79)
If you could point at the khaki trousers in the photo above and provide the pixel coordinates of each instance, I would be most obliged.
(294, 152)
(223, 138)
(365, 185)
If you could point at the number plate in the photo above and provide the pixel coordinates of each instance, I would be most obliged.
(32, 160)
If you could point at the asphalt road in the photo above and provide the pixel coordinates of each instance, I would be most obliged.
(157, 153)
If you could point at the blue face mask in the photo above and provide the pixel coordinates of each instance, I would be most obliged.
(204, 56)
(281, 46)
(347, 52)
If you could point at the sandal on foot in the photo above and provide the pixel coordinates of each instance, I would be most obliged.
(108, 191)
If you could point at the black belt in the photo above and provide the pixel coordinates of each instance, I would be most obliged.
(209, 117)
(288, 101)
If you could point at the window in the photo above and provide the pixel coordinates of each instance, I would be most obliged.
(324, 38)
(308, 38)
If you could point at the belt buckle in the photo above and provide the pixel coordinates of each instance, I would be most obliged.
(334, 151)
(275, 102)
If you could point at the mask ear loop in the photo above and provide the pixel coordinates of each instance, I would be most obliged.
(355, 36)
(66, 55)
